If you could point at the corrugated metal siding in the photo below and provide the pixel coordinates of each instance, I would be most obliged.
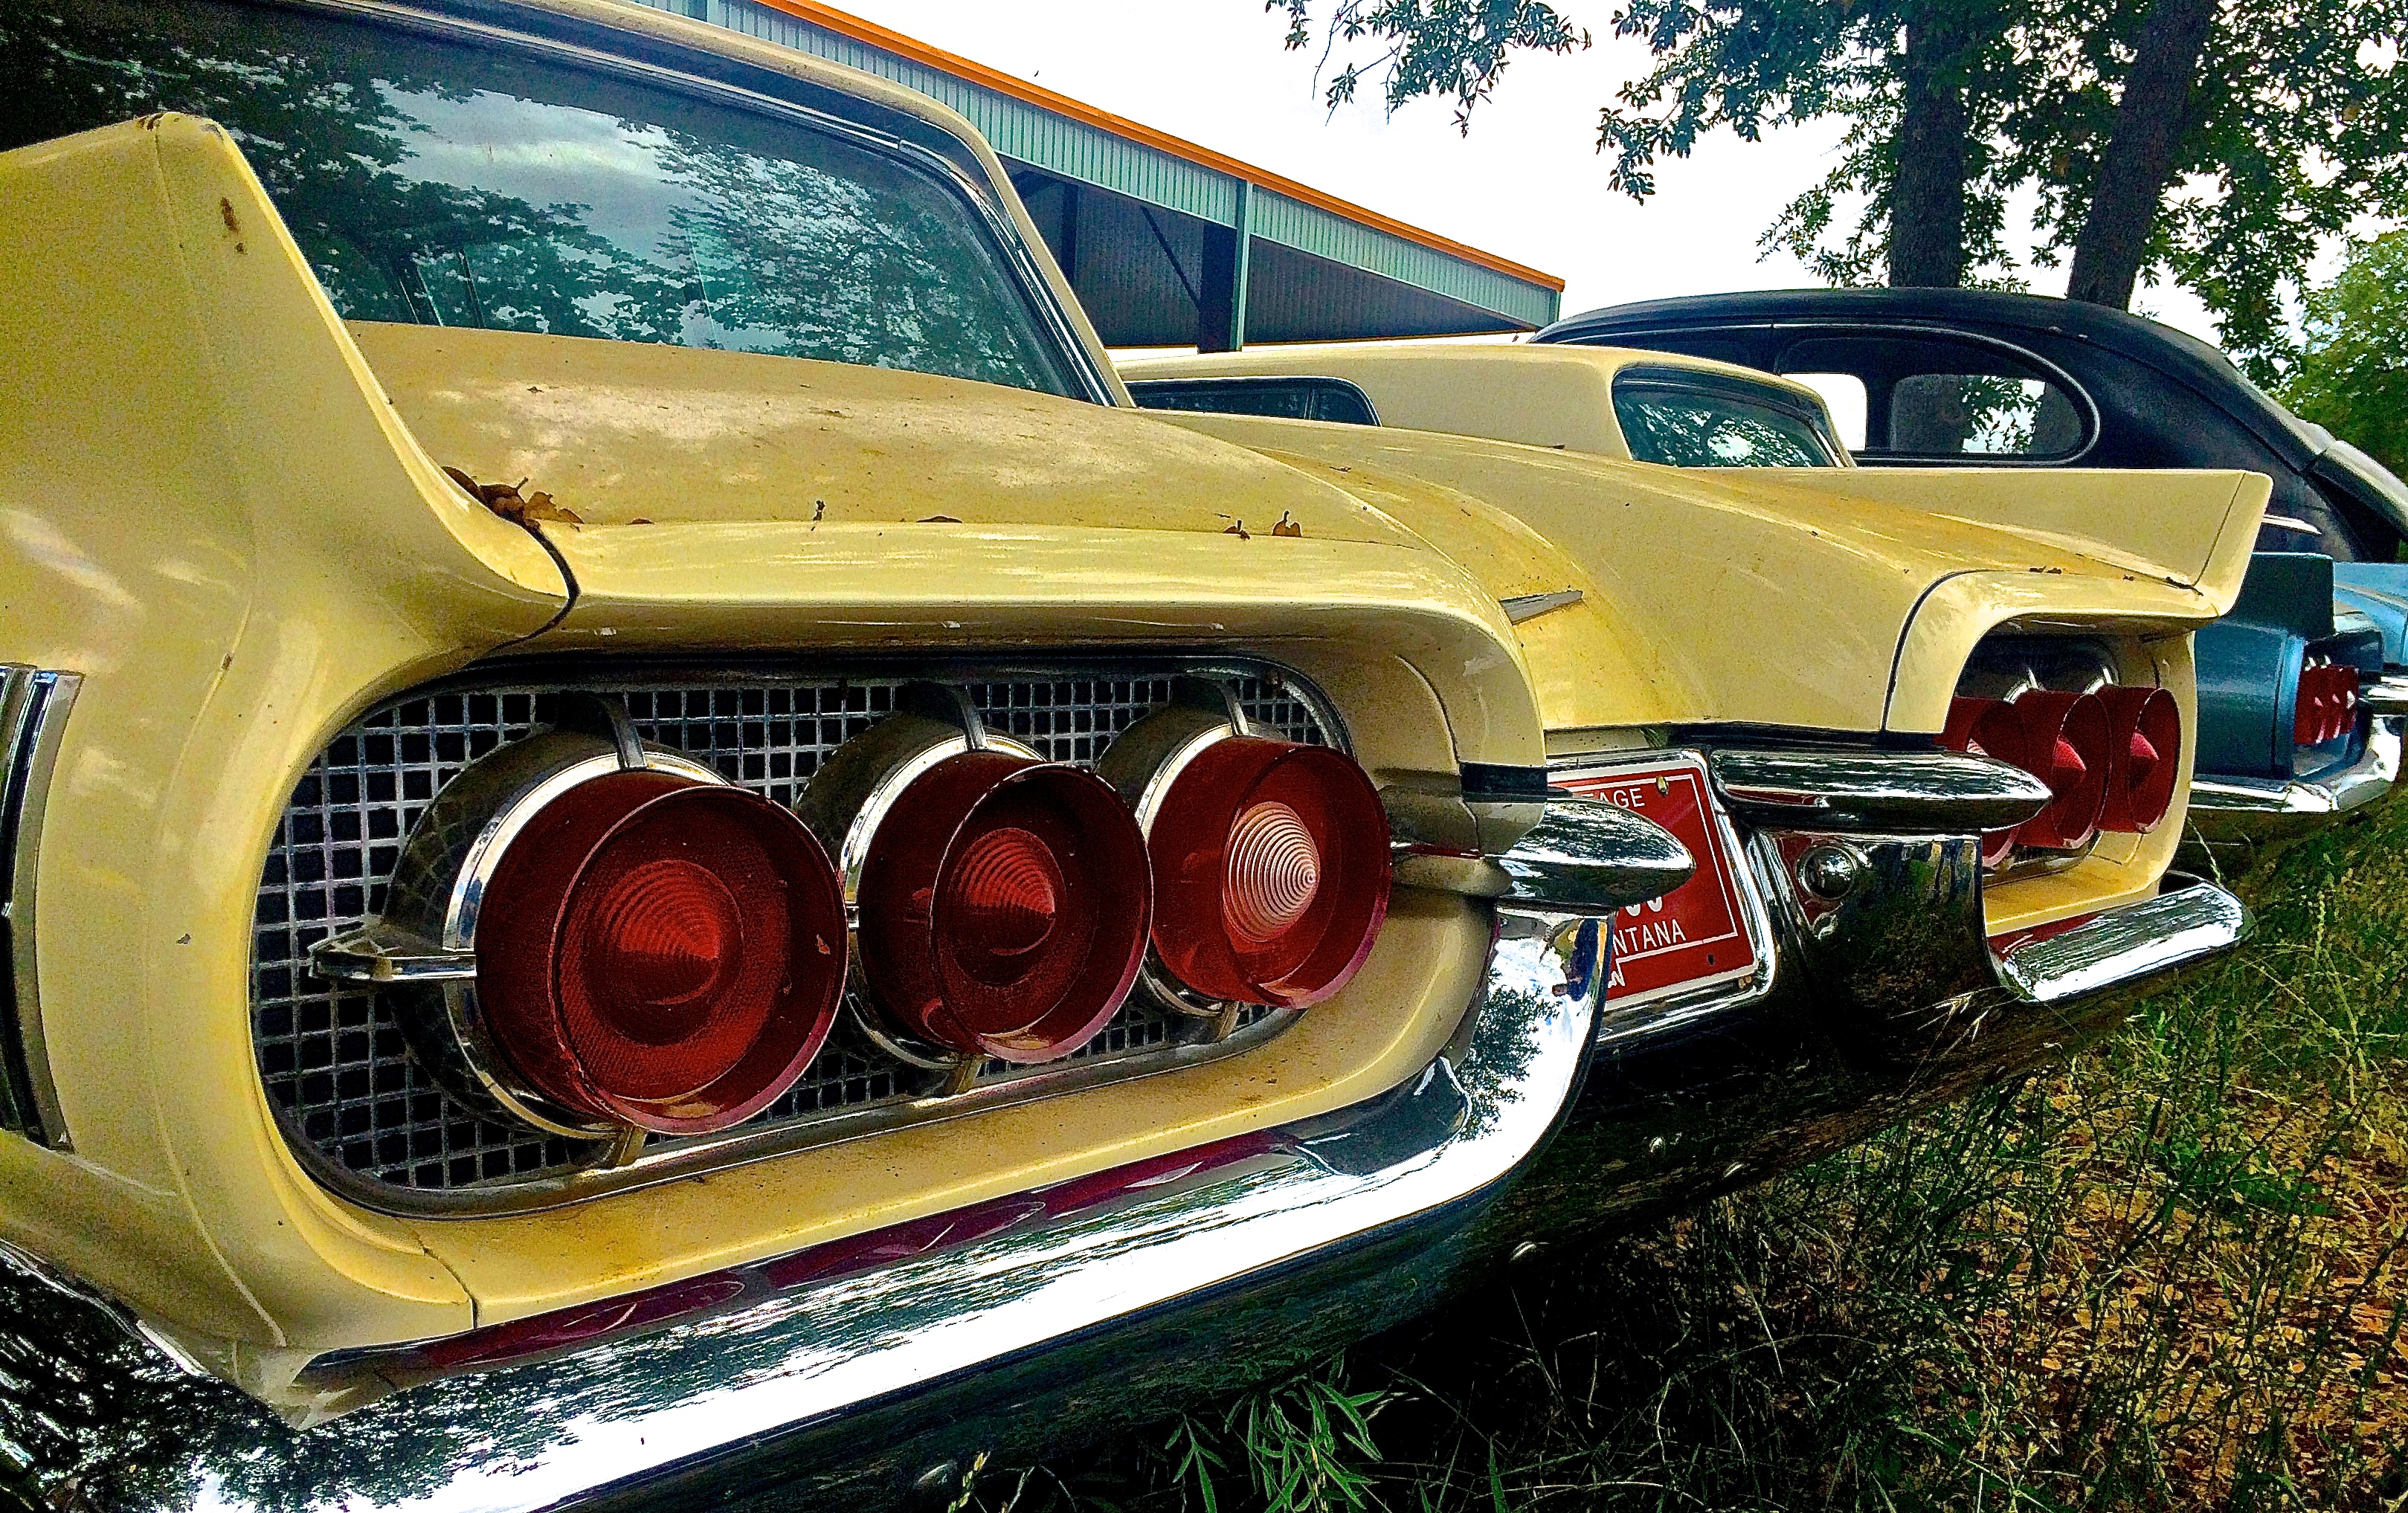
(1071, 148)
(1310, 229)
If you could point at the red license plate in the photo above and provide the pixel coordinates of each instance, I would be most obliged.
(1695, 935)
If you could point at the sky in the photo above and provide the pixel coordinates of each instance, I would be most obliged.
(1527, 182)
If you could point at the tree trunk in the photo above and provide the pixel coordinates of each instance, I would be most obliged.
(2139, 156)
(1927, 214)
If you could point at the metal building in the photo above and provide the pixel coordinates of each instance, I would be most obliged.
(1169, 243)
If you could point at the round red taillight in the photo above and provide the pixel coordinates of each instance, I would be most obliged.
(1271, 871)
(658, 952)
(1003, 906)
(2062, 740)
(2143, 748)
(1986, 727)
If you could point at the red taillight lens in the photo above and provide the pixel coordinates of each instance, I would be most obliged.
(2063, 739)
(1271, 871)
(662, 952)
(2327, 704)
(1986, 727)
(2064, 744)
(1004, 905)
(2143, 747)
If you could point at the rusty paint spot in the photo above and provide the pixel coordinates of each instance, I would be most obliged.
(939, 520)
(225, 208)
(505, 499)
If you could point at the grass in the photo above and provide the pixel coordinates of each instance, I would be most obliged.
(2169, 1275)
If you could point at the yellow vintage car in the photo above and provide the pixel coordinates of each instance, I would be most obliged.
(2284, 670)
(655, 845)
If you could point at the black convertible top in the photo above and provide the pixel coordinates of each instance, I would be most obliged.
(2176, 354)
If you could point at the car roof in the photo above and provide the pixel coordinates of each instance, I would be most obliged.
(1543, 396)
(2176, 354)
(1344, 359)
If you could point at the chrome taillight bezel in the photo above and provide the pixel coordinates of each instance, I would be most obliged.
(422, 949)
(1147, 765)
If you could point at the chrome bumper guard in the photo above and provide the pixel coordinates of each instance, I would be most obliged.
(1868, 873)
(2191, 921)
(2229, 809)
(950, 1331)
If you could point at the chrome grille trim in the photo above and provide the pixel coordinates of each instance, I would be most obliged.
(34, 707)
(366, 1119)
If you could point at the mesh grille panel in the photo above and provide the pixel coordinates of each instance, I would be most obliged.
(334, 1059)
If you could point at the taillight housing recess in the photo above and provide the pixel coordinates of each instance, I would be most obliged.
(2110, 758)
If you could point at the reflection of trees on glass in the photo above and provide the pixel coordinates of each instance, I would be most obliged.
(1685, 428)
(873, 266)
(440, 185)
(1937, 414)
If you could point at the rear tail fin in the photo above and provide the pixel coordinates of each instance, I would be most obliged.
(2194, 529)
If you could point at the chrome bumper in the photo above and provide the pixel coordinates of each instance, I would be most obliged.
(2227, 810)
(694, 1388)
(2387, 694)
(860, 1369)
(2190, 922)
(1896, 969)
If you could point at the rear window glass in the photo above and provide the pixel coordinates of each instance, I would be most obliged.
(1981, 415)
(1938, 397)
(1697, 421)
(1290, 399)
(448, 185)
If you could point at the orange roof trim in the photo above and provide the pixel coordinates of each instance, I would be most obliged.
(845, 25)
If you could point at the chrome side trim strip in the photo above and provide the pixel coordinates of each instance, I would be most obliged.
(1529, 607)
(2252, 809)
(2190, 923)
(1914, 793)
(768, 1349)
(34, 707)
